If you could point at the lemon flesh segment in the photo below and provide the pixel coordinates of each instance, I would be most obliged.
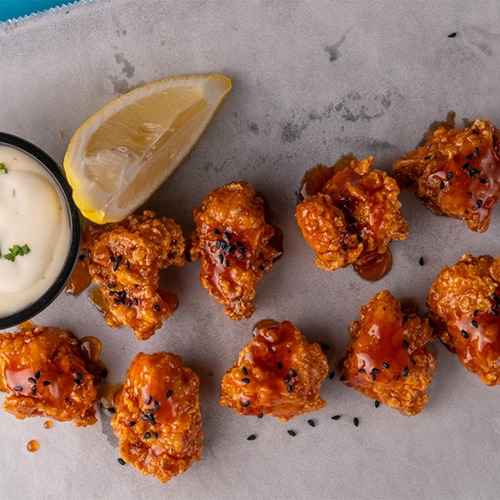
(123, 153)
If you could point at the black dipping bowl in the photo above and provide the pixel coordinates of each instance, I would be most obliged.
(75, 228)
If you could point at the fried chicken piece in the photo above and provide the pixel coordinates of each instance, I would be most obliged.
(353, 216)
(125, 260)
(158, 417)
(278, 373)
(386, 357)
(465, 308)
(45, 375)
(457, 173)
(233, 240)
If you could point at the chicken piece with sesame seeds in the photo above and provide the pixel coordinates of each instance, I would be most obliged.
(465, 311)
(386, 357)
(352, 216)
(158, 419)
(125, 260)
(45, 375)
(278, 373)
(457, 173)
(235, 244)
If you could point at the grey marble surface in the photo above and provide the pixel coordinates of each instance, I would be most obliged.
(312, 81)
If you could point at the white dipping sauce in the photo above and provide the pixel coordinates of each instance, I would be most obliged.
(33, 212)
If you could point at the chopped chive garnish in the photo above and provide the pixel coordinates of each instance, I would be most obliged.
(3, 170)
(17, 251)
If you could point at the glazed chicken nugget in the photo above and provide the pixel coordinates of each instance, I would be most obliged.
(233, 240)
(457, 173)
(353, 217)
(158, 417)
(45, 376)
(386, 358)
(465, 310)
(125, 260)
(278, 373)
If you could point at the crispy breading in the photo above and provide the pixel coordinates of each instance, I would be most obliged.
(386, 357)
(278, 373)
(158, 417)
(233, 240)
(45, 376)
(457, 173)
(125, 260)
(465, 310)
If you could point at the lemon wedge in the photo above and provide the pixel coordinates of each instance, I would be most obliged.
(119, 157)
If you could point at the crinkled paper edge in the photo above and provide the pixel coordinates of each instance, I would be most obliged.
(58, 8)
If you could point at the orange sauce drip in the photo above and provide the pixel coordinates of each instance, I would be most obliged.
(98, 300)
(90, 348)
(80, 279)
(375, 267)
(33, 446)
(264, 323)
(47, 424)
(108, 395)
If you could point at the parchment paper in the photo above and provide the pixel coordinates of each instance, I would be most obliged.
(312, 81)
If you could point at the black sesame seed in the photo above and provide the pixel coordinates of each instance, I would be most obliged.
(406, 371)
(136, 302)
(405, 344)
(129, 303)
(342, 378)
(111, 285)
(127, 264)
(245, 380)
(497, 305)
(449, 176)
(324, 346)
(147, 435)
(231, 249)
(261, 267)
(169, 393)
(144, 416)
(31, 380)
(479, 203)
(465, 335)
(335, 417)
(112, 259)
(469, 157)
(245, 403)
(289, 388)
(345, 248)
(287, 379)
(227, 235)
(350, 230)
(111, 410)
(332, 375)
(474, 323)
(311, 423)
(385, 365)
(251, 437)
(157, 307)
(483, 181)
(291, 433)
(244, 371)
(495, 297)
(217, 231)
(362, 370)
(121, 461)
(466, 166)
(355, 421)
(441, 186)
(217, 244)
(496, 313)
(405, 319)
(115, 266)
(421, 261)
(360, 239)
(376, 371)
(119, 258)
(149, 400)
(444, 325)
(188, 257)
(476, 152)
(33, 390)
(293, 373)
(470, 174)
(377, 403)
(476, 312)
(79, 376)
(18, 388)
(156, 405)
(373, 376)
(77, 381)
(221, 258)
(152, 420)
(452, 35)
(131, 424)
(243, 250)
(239, 244)
(37, 374)
(347, 202)
(279, 365)
(241, 256)
(228, 264)
(260, 415)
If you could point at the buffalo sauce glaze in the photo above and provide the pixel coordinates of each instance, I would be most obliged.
(475, 336)
(372, 265)
(80, 279)
(384, 343)
(33, 446)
